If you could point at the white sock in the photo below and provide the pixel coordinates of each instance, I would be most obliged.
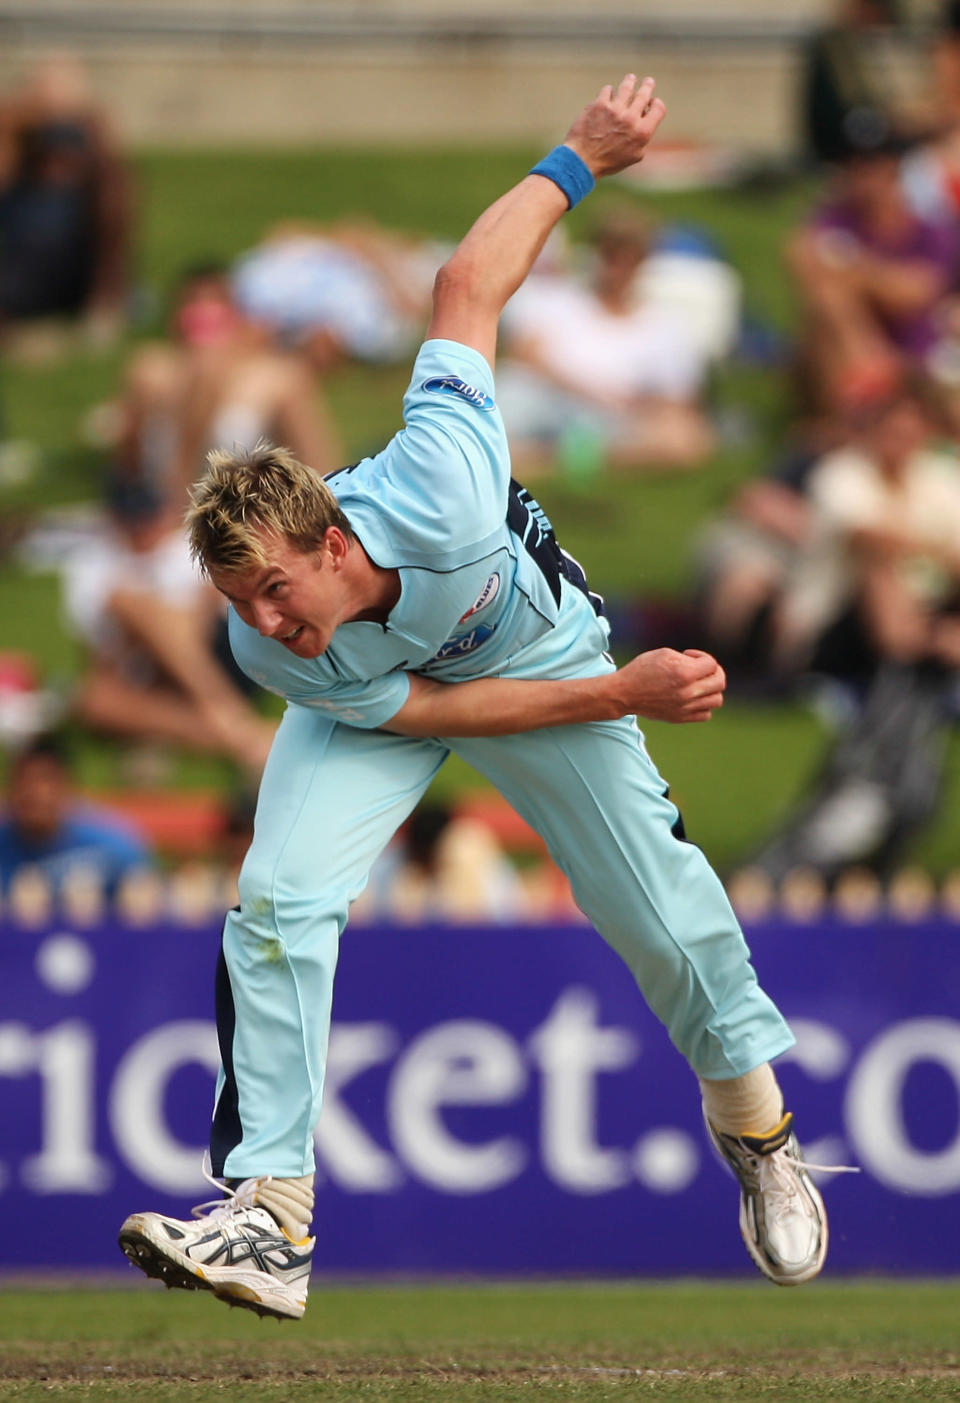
(291, 1203)
(747, 1105)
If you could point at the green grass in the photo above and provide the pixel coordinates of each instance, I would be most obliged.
(678, 1341)
(634, 534)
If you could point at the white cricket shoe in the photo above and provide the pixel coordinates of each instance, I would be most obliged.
(237, 1250)
(782, 1218)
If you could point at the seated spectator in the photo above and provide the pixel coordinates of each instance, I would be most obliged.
(888, 505)
(216, 382)
(931, 178)
(884, 579)
(872, 278)
(344, 291)
(744, 563)
(65, 205)
(685, 273)
(599, 373)
(790, 579)
(932, 169)
(153, 628)
(46, 827)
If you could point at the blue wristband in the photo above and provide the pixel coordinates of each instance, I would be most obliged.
(565, 168)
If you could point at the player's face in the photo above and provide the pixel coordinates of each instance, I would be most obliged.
(297, 597)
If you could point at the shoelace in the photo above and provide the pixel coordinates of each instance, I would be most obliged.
(777, 1180)
(822, 1168)
(777, 1177)
(243, 1196)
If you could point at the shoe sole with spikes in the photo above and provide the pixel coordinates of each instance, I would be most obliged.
(250, 1290)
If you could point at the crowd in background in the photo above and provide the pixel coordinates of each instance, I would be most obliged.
(836, 570)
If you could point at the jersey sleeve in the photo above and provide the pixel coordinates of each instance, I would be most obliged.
(450, 462)
(311, 682)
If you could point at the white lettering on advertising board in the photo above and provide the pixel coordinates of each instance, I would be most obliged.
(453, 1065)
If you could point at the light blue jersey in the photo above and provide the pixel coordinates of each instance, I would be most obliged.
(484, 589)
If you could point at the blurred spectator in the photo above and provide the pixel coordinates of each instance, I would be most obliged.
(601, 370)
(946, 63)
(686, 273)
(878, 785)
(872, 277)
(932, 167)
(65, 205)
(888, 507)
(841, 556)
(931, 175)
(443, 868)
(216, 383)
(153, 628)
(859, 88)
(344, 291)
(547, 895)
(880, 593)
(26, 708)
(744, 564)
(45, 827)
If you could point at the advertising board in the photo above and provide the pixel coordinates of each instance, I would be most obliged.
(499, 1099)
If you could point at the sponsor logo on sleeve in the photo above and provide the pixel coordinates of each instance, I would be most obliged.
(453, 385)
(486, 596)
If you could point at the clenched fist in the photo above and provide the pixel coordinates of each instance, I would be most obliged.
(664, 685)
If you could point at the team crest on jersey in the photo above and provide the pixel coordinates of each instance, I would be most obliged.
(453, 385)
(486, 596)
(462, 643)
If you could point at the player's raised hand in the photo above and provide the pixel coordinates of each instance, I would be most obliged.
(614, 130)
(664, 685)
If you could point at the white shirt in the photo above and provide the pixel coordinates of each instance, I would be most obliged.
(647, 351)
(851, 494)
(106, 566)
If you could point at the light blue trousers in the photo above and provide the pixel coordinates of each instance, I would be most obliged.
(331, 798)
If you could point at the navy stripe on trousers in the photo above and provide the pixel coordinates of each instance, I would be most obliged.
(226, 1131)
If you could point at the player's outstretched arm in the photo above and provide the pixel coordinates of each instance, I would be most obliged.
(497, 253)
(661, 685)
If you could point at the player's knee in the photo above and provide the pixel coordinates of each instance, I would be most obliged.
(282, 898)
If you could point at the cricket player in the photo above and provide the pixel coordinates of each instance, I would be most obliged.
(413, 605)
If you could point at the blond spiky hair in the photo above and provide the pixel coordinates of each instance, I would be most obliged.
(247, 493)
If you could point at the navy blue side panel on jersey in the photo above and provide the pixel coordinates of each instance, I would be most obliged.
(531, 525)
(335, 472)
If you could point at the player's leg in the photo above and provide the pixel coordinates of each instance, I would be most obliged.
(330, 799)
(596, 798)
